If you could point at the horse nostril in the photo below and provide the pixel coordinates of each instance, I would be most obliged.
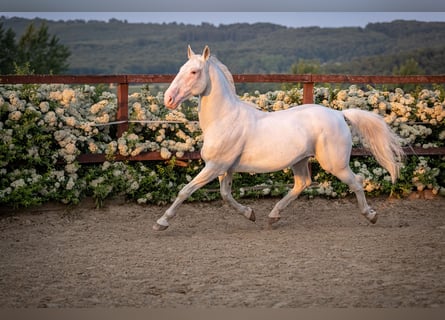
(170, 96)
(168, 100)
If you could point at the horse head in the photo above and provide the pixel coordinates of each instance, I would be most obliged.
(191, 79)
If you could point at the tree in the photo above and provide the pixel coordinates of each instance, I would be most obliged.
(409, 67)
(8, 50)
(304, 66)
(44, 54)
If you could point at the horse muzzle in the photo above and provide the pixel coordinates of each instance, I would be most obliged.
(170, 102)
(173, 98)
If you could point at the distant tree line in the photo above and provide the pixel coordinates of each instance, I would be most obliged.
(118, 47)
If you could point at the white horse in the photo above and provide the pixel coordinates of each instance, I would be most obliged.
(240, 138)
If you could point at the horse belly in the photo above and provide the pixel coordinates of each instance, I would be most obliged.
(264, 164)
(272, 155)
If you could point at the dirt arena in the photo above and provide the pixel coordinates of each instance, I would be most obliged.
(321, 254)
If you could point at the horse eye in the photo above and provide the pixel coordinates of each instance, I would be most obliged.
(194, 72)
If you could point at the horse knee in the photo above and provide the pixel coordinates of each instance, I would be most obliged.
(356, 187)
(183, 194)
(225, 195)
(226, 192)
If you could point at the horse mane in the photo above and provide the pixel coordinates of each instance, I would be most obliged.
(225, 71)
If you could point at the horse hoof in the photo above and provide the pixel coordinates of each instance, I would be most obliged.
(373, 220)
(159, 227)
(252, 216)
(273, 220)
(372, 216)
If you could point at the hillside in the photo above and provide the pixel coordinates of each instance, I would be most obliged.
(115, 46)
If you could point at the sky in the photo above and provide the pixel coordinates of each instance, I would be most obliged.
(289, 19)
(223, 5)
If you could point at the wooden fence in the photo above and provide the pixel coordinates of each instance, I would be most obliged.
(308, 80)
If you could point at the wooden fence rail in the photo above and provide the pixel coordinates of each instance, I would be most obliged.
(308, 80)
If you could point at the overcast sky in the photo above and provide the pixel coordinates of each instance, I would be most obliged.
(290, 19)
(224, 5)
(292, 13)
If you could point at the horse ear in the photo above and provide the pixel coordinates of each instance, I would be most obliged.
(206, 53)
(190, 52)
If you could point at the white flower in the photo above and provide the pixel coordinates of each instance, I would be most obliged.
(140, 148)
(70, 148)
(342, 95)
(105, 118)
(15, 115)
(87, 127)
(134, 185)
(142, 200)
(69, 158)
(61, 135)
(15, 101)
(70, 121)
(92, 147)
(67, 95)
(165, 153)
(97, 182)
(123, 149)
(18, 183)
(70, 184)
(377, 171)
(111, 148)
(278, 105)
(106, 165)
(71, 168)
(95, 108)
(55, 95)
(132, 137)
(50, 118)
(154, 108)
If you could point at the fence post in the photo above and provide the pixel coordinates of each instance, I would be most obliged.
(122, 108)
(308, 92)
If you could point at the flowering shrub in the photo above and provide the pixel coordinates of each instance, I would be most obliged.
(43, 128)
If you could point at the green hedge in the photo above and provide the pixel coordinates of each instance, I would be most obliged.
(43, 128)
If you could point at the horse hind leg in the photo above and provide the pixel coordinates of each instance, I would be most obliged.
(355, 183)
(226, 193)
(302, 179)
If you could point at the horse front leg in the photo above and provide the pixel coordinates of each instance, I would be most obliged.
(226, 193)
(207, 174)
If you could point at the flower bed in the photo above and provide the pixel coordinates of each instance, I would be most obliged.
(43, 128)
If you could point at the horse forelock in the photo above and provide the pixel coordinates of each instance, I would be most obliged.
(225, 72)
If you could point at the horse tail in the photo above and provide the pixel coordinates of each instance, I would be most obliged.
(379, 138)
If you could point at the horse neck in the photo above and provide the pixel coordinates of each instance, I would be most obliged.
(219, 100)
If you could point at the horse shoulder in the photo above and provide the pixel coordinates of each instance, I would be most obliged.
(224, 140)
